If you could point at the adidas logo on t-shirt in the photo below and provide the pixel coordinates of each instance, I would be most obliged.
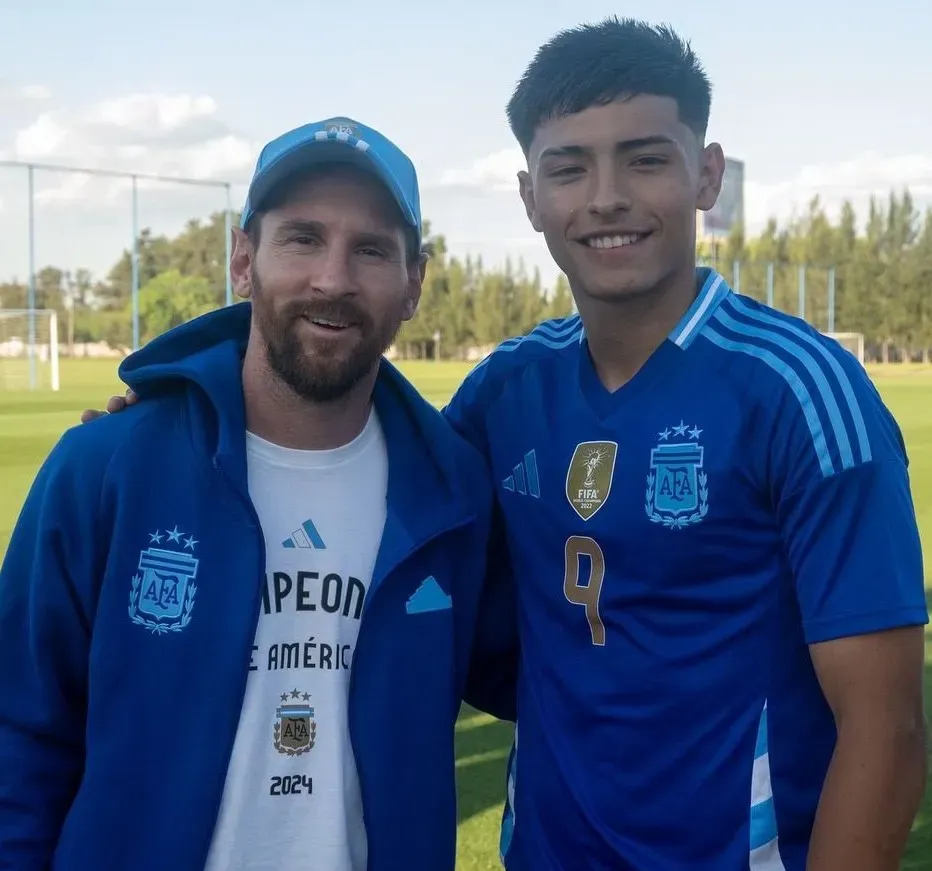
(307, 536)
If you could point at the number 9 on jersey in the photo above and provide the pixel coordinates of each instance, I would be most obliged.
(586, 595)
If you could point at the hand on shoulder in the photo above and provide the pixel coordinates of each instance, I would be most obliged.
(115, 404)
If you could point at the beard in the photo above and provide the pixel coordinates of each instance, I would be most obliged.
(328, 371)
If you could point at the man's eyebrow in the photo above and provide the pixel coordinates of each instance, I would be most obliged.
(386, 240)
(299, 225)
(624, 145)
(291, 225)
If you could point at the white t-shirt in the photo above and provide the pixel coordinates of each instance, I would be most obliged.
(291, 799)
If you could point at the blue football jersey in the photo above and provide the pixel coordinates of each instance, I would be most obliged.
(677, 544)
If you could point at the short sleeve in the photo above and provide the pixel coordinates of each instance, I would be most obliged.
(845, 510)
(466, 411)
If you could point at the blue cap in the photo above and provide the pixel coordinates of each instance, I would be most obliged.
(337, 140)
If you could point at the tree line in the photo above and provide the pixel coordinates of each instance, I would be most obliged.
(880, 268)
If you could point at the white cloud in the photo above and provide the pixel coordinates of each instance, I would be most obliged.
(84, 220)
(35, 92)
(151, 111)
(855, 179)
(14, 93)
(497, 171)
(41, 139)
(148, 133)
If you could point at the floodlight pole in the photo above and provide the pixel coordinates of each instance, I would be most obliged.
(227, 233)
(801, 282)
(135, 265)
(31, 304)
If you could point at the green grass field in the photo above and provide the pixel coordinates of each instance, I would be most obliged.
(31, 422)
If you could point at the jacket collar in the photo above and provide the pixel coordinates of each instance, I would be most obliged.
(203, 358)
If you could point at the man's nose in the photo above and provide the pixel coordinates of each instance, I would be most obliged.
(609, 193)
(333, 271)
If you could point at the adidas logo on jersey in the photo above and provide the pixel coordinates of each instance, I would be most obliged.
(524, 478)
(306, 537)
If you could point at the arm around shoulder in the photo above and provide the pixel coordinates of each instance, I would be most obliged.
(46, 616)
(493, 673)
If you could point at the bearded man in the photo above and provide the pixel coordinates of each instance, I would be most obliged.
(237, 621)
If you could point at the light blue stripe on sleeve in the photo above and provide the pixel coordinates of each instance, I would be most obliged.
(788, 346)
(844, 381)
(546, 334)
(796, 385)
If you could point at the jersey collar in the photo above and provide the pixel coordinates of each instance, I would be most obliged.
(713, 291)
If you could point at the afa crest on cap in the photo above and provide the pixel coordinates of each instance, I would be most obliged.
(340, 125)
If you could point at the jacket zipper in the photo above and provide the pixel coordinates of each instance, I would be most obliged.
(352, 697)
(251, 511)
(351, 712)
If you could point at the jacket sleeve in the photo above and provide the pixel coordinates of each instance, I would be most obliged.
(493, 676)
(44, 646)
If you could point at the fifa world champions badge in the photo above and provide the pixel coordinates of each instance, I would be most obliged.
(589, 476)
(162, 591)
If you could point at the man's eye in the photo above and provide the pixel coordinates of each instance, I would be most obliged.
(566, 171)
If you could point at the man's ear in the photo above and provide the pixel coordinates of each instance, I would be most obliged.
(711, 172)
(526, 189)
(416, 274)
(241, 262)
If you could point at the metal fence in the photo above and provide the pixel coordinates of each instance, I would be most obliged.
(802, 290)
(74, 218)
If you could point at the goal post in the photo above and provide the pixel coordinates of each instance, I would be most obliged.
(853, 342)
(28, 350)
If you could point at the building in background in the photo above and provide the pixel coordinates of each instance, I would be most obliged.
(714, 226)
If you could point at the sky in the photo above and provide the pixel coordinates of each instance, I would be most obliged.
(827, 97)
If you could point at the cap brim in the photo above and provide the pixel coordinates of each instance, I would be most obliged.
(316, 152)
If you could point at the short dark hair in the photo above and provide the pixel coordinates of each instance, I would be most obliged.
(594, 64)
(279, 195)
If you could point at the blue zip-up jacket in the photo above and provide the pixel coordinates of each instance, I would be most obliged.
(114, 739)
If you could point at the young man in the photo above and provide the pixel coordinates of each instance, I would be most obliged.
(236, 622)
(708, 510)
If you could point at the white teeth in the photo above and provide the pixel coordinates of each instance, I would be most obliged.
(614, 241)
(324, 323)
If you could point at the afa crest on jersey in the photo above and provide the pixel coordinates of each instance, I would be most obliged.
(677, 485)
